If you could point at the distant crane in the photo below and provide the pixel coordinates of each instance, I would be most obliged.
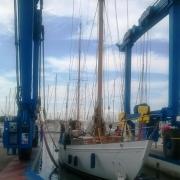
(151, 16)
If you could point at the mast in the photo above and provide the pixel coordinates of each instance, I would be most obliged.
(15, 91)
(79, 76)
(66, 113)
(85, 102)
(55, 95)
(99, 127)
(100, 54)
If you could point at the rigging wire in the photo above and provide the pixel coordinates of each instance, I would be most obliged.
(89, 38)
(71, 56)
(85, 62)
(9, 102)
(72, 28)
(121, 62)
(85, 101)
(138, 59)
(149, 66)
(67, 104)
(43, 71)
(142, 72)
(142, 93)
(139, 77)
(42, 119)
(76, 92)
(114, 90)
(40, 64)
(146, 67)
(48, 131)
(92, 27)
(55, 96)
(107, 65)
(116, 17)
(43, 114)
(47, 100)
(113, 52)
(127, 13)
(14, 102)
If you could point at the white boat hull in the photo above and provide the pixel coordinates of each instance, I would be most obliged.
(112, 161)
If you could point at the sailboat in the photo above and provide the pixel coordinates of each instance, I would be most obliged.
(100, 155)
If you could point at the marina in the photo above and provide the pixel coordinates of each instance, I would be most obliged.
(94, 89)
(45, 168)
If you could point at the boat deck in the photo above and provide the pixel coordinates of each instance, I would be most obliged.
(96, 140)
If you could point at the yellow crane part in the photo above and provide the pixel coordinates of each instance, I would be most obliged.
(124, 127)
(121, 118)
(144, 111)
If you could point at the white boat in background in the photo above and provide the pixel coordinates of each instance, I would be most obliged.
(101, 155)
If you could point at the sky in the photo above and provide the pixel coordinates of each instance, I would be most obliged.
(61, 54)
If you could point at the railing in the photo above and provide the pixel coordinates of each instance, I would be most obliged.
(126, 135)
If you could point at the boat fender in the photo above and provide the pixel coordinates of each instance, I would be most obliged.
(75, 161)
(69, 159)
(93, 160)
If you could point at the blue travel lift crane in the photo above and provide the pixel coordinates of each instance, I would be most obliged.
(151, 16)
(21, 132)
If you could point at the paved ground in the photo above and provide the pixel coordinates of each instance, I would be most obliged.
(13, 169)
(5, 159)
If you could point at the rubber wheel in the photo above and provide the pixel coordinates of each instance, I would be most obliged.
(24, 154)
(171, 147)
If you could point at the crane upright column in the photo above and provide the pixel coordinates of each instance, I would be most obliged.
(24, 121)
(25, 11)
(127, 88)
(174, 58)
(21, 132)
(38, 36)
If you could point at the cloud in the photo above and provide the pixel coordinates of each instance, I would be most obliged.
(56, 8)
(57, 65)
(88, 64)
(65, 8)
(6, 20)
(160, 47)
(157, 63)
(157, 94)
(58, 21)
(86, 10)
